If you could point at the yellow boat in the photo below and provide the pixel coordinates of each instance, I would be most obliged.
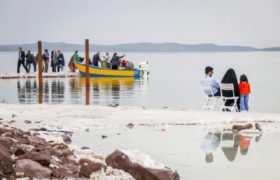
(96, 71)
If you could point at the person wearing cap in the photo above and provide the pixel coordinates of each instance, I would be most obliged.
(210, 81)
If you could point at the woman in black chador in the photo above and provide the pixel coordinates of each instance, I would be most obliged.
(230, 77)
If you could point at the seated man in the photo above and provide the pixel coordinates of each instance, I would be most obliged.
(210, 81)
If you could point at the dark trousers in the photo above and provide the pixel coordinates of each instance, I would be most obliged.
(19, 64)
(115, 67)
(28, 66)
(54, 68)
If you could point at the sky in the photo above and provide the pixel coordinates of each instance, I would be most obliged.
(225, 22)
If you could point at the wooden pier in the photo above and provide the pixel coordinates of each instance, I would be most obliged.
(35, 75)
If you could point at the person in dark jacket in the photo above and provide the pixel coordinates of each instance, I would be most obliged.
(116, 61)
(96, 59)
(29, 60)
(35, 61)
(61, 61)
(231, 78)
(21, 60)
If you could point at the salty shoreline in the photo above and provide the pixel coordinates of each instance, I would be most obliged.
(73, 117)
(52, 122)
(35, 75)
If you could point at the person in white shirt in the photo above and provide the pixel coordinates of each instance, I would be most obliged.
(107, 58)
(210, 81)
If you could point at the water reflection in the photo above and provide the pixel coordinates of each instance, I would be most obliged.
(27, 91)
(230, 143)
(102, 91)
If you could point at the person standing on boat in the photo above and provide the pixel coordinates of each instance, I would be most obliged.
(96, 59)
(46, 58)
(107, 59)
(21, 59)
(116, 61)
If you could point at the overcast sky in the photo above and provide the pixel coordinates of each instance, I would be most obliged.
(236, 22)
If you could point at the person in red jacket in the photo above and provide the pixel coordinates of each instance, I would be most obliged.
(245, 90)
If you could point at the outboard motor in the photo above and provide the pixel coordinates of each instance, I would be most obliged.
(144, 69)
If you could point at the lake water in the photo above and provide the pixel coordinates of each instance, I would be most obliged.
(174, 81)
(194, 152)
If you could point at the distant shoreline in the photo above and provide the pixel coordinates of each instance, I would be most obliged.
(140, 47)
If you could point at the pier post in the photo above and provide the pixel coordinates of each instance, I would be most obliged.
(40, 78)
(87, 70)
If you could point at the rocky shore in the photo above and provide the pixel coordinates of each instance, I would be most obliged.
(26, 154)
(35, 140)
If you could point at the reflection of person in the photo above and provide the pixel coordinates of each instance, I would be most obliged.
(244, 145)
(230, 78)
(210, 81)
(230, 144)
(210, 143)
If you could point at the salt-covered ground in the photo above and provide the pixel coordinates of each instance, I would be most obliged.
(78, 117)
(35, 75)
(74, 117)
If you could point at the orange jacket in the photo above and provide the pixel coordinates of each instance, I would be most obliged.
(244, 88)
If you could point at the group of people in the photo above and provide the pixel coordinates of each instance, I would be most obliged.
(27, 59)
(56, 58)
(242, 88)
(106, 61)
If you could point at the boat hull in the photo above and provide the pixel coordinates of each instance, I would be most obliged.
(95, 71)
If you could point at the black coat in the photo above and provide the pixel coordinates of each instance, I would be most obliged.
(21, 56)
(116, 60)
(96, 58)
(230, 77)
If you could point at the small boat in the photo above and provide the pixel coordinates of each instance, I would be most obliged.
(95, 71)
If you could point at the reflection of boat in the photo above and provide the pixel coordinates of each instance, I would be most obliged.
(96, 71)
(107, 81)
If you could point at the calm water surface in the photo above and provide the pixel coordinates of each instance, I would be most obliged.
(174, 81)
(196, 153)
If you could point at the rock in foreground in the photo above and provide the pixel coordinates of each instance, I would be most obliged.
(32, 169)
(119, 160)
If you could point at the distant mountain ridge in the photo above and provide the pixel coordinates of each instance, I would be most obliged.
(139, 47)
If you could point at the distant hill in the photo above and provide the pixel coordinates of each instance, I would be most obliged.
(138, 47)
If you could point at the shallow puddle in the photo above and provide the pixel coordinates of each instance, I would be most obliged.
(193, 151)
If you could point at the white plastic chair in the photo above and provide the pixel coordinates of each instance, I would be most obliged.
(230, 88)
(210, 100)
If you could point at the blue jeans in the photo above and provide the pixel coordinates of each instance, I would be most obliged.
(244, 102)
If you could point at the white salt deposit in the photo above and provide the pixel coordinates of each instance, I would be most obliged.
(143, 159)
